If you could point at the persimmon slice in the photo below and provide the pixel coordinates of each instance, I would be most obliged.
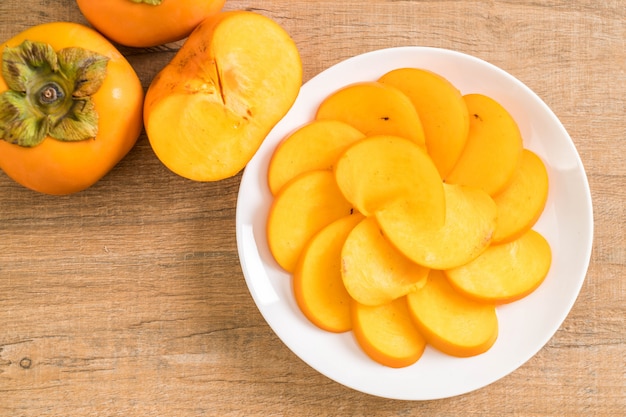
(379, 169)
(451, 322)
(373, 271)
(375, 109)
(441, 109)
(314, 146)
(493, 148)
(302, 208)
(505, 272)
(521, 203)
(387, 334)
(470, 220)
(317, 281)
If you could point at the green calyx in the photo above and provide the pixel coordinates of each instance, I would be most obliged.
(150, 2)
(49, 93)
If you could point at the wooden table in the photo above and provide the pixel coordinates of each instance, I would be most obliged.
(128, 299)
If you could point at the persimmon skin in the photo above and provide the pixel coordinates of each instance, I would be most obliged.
(59, 168)
(144, 25)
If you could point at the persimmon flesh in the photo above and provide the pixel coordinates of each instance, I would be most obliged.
(521, 203)
(493, 147)
(208, 111)
(317, 283)
(387, 334)
(373, 271)
(451, 322)
(380, 169)
(316, 145)
(303, 207)
(470, 220)
(441, 109)
(375, 109)
(505, 272)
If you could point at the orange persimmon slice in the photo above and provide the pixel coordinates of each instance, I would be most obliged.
(505, 272)
(375, 109)
(493, 148)
(451, 322)
(470, 220)
(521, 203)
(314, 146)
(303, 207)
(379, 169)
(387, 334)
(317, 282)
(373, 271)
(441, 109)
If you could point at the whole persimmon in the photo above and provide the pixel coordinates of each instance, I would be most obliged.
(70, 107)
(145, 23)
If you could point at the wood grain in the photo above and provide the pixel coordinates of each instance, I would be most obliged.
(127, 299)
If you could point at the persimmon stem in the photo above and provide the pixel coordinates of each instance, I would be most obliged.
(49, 93)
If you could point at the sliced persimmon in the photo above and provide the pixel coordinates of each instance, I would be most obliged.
(387, 334)
(470, 220)
(493, 148)
(379, 169)
(314, 146)
(302, 208)
(451, 322)
(521, 203)
(505, 272)
(441, 109)
(375, 109)
(317, 281)
(373, 271)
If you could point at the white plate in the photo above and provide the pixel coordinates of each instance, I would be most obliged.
(525, 326)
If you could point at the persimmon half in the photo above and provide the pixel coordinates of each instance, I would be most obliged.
(144, 23)
(70, 107)
(208, 111)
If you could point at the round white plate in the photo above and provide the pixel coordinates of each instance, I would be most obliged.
(525, 326)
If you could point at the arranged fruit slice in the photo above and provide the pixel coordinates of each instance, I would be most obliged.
(303, 207)
(470, 220)
(314, 146)
(493, 148)
(373, 271)
(387, 334)
(317, 282)
(441, 109)
(505, 272)
(207, 112)
(451, 322)
(374, 109)
(521, 203)
(379, 169)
